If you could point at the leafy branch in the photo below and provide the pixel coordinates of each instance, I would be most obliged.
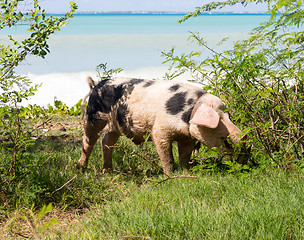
(261, 79)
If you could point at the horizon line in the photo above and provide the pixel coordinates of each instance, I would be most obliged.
(157, 13)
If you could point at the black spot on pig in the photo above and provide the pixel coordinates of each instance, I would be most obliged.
(174, 88)
(125, 122)
(121, 116)
(103, 97)
(103, 82)
(190, 101)
(186, 115)
(149, 83)
(135, 81)
(176, 103)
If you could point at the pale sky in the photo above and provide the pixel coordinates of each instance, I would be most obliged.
(137, 5)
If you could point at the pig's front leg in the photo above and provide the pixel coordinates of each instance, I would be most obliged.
(164, 149)
(92, 132)
(108, 142)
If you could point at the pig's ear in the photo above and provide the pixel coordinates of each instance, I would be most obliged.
(206, 116)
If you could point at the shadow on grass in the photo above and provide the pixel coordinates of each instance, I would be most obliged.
(46, 172)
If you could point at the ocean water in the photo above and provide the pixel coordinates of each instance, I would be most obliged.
(131, 42)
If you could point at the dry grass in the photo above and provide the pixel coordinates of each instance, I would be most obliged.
(26, 224)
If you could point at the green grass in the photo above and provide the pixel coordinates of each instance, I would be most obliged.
(261, 206)
(134, 201)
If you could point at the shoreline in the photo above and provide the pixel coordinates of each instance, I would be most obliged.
(70, 87)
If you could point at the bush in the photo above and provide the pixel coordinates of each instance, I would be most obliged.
(261, 79)
(14, 121)
(17, 123)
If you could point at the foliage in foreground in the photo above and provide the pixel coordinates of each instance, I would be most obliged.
(265, 205)
(14, 124)
(261, 79)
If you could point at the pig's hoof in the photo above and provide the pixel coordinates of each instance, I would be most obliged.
(80, 166)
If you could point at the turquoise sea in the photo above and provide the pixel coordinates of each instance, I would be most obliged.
(132, 42)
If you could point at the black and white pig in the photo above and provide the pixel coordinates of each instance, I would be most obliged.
(168, 111)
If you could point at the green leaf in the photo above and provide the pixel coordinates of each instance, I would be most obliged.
(44, 210)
